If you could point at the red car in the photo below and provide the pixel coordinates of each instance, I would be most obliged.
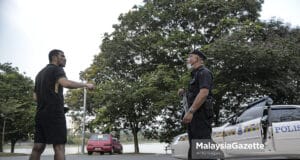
(104, 143)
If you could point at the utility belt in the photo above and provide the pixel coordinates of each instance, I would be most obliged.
(191, 98)
(206, 109)
(207, 105)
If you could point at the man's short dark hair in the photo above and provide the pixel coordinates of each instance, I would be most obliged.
(54, 52)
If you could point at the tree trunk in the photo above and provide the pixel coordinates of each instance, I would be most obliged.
(135, 138)
(136, 143)
(2, 136)
(1, 146)
(12, 146)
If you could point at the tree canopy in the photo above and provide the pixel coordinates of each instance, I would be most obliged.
(142, 63)
(16, 105)
(258, 59)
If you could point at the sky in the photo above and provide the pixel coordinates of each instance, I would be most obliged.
(30, 29)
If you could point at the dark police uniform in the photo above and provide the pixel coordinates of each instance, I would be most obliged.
(200, 126)
(50, 122)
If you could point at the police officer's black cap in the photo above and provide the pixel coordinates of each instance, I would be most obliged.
(199, 53)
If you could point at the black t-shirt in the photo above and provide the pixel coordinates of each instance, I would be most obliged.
(201, 78)
(50, 100)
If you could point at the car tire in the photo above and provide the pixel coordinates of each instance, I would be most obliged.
(90, 152)
(121, 151)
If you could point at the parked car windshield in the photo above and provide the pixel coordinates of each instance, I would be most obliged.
(102, 137)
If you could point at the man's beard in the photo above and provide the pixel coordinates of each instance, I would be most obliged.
(189, 66)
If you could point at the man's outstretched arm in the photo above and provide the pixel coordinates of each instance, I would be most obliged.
(72, 84)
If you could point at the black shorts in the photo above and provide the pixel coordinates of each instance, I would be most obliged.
(50, 131)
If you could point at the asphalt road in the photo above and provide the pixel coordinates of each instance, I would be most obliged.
(102, 157)
(133, 157)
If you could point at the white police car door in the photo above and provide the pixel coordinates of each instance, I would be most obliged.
(229, 137)
(286, 129)
(249, 135)
(246, 133)
(180, 146)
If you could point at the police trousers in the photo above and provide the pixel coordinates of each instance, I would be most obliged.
(200, 126)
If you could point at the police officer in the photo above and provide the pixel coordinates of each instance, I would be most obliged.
(199, 96)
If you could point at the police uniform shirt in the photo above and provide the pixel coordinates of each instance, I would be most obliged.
(201, 78)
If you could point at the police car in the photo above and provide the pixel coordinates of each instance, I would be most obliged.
(275, 127)
(180, 146)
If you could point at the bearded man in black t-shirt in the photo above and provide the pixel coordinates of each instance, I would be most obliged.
(50, 121)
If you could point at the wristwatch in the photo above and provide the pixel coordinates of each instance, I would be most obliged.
(191, 110)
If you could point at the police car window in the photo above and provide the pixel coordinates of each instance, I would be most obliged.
(252, 113)
(285, 114)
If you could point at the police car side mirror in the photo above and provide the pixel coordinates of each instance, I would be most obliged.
(232, 121)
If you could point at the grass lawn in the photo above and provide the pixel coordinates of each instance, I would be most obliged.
(3, 154)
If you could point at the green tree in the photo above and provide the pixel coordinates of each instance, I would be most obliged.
(256, 60)
(165, 81)
(157, 34)
(17, 117)
(75, 101)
